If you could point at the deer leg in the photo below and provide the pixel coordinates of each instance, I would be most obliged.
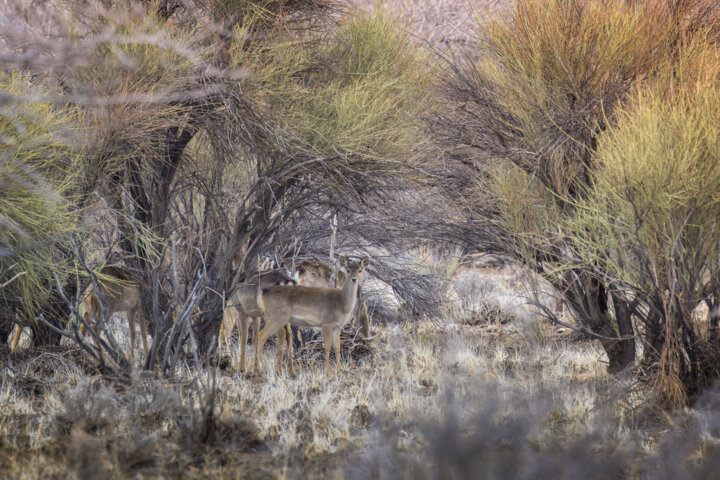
(327, 333)
(226, 327)
(270, 328)
(143, 332)
(17, 330)
(365, 318)
(222, 329)
(131, 323)
(243, 324)
(290, 350)
(281, 351)
(336, 345)
(256, 332)
(94, 316)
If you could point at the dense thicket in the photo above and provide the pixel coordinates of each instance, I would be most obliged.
(185, 140)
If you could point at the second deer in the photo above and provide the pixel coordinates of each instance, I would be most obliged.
(313, 273)
(242, 306)
(121, 295)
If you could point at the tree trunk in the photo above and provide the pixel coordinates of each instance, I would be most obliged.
(621, 353)
(151, 200)
(589, 298)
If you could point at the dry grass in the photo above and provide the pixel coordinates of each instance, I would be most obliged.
(384, 410)
(417, 389)
(61, 416)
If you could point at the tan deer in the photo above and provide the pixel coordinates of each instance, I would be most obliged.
(120, 295)
(325, 307)
(242, 307)
(313, 273)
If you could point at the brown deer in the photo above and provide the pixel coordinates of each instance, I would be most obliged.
(121, 294)
(313, 273)
(242, 306)
(325, 307)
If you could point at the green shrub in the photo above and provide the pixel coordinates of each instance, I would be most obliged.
(602, 213)
(650, 220)
(38, 168)
(354, 97)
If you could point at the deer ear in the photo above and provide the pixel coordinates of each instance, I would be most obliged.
(365, 261)
(342, 260)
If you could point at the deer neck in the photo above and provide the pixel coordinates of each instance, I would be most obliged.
(349, 295)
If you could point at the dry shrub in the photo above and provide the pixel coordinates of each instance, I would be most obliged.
(650, 219)
(581, 113)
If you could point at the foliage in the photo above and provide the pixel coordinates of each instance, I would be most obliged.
(586, 170)
(353, 97)
(363, 103)
(650, 220)
(39, 157)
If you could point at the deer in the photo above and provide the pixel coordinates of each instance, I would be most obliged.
(120, 294)
(304, 306)
(242, 306)
(312, 273)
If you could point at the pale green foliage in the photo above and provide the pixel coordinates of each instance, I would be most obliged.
(38, 168)
(555, 70)
(356, 95)
(651, 217)
(365, 101)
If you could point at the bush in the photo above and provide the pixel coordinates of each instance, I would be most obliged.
(535, 112)
(39, 158)
(650, 219)
(213, 128)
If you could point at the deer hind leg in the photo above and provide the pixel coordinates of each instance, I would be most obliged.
(256, 334)
(363, 314)
(222, 330)
(143, 332)
(92, 319)
(17, 331)
(327, 333)
(243, 324)
(281, 351)
(86, 316)
(226, 326)
(291, 360)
